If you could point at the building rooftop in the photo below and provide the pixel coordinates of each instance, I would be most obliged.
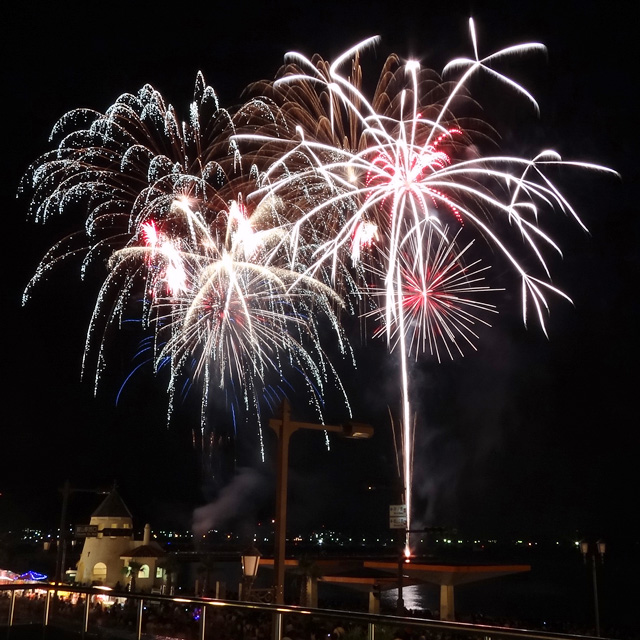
(151, 550)
(112, 507)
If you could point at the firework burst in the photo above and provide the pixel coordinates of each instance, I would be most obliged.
(396, 168)
(438, 298)
(230, 235)
(162, 200)
(228, 304)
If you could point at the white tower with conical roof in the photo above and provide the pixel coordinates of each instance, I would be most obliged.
(101, 559)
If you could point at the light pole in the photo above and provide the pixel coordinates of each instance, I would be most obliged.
(284, 427)
(250, 563)
(594, 551)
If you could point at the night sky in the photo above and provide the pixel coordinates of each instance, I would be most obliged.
(528, 434)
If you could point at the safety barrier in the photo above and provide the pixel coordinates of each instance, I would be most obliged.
(81, 612)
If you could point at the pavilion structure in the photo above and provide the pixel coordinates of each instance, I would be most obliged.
(375, 576)
(446, 576)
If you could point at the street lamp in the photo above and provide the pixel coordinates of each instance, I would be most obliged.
(284, 428)
(250, 563)
(594, 551)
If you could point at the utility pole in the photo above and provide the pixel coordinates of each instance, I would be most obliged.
(61, 551)
(596, 551)
(284, 428)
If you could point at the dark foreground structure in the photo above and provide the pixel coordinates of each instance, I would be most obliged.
(55, 612)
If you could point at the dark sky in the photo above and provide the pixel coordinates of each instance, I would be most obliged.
(529, 434)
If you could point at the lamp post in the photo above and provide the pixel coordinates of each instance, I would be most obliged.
(250, 563)
(594, 552)
(284, 428)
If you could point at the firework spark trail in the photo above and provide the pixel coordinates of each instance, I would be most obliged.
(395, 163)
(435, 307)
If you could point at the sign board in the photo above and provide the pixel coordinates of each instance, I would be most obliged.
(86, 531)
(398, 516)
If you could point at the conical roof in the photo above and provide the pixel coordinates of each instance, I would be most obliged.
(151, 550)
(112, 507)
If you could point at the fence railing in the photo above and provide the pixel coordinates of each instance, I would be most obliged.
(95, 613)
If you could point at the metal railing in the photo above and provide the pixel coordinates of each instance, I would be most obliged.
(94, 613)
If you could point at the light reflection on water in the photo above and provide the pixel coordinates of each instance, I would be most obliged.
(416, 598)
(557, 591)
